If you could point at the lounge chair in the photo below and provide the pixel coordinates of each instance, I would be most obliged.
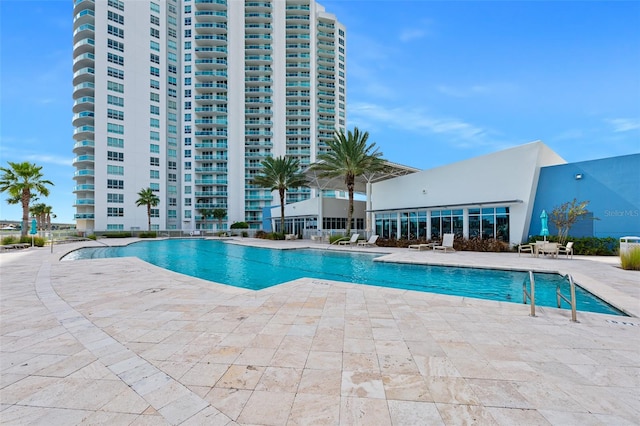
(547, 248)
(526, 248)
(370, 242)
(352, 241)
(447, 244)
(568, 249)
(423, 246)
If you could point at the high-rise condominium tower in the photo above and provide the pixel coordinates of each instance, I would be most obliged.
(187, 97)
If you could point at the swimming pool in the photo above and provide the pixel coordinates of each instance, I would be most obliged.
(257, 268)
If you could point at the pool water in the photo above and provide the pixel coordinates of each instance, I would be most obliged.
(257, 268)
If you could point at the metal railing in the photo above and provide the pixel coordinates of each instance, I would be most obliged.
(572, 297)
(531, 296)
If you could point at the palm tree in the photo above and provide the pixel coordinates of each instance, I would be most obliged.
(280, 173)
(48, 212)
(149, 199)
(349, 156)
(23, 181)
(219, 214)
(205, 214)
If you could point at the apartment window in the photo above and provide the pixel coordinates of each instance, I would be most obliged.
(115, 128)
(187, 21)
(172, 45)
(115, 45)
(172, 20)
(172, 68)
(154, 46)
(114, 72)
(115, 31)
(154, 71)
(115, 211)
(115, 59)
(172, 116)
(187, 81)
(155, 187)
(115, 114)
(172, 153)
(187, 189)
(187, 33)
(155, 7)
(112, 16)
(172, 165)
(187, 9)
(173, 93)
(172, 81)
(187, 69)
(115, 227)
(187, 165)
(155, 20)
(115, 198)
(115, 184)
(115, 142)
(187, 57)
(187, 177)
(155, 149)
(154, 174)
(171, 32)
(171, 128)
(115, 170)
(187, 153)
(187, 105)
(172, 57)
(187, 214)
(172, 141)
(187, 93)
(115, 100)
(155, 97)
(172, 104)
(154, 136)
(187, 45)
(154, 84)
(155, 212)
(172, 8)
(187, 202)
(172, 214)
(154, 122)
(172, 177)
(154, 161)
(154, 109)
(115, 87)
(115, 156)
(154, 32)
(154, 58)
(117, 4)
(187, 129)
(187, 117)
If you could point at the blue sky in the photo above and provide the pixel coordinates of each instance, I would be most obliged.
(433, 82)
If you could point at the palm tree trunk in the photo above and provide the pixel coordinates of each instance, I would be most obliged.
(281, 192)
(149, 216)
(26, 195)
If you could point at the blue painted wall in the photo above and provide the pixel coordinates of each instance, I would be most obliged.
(612, 187)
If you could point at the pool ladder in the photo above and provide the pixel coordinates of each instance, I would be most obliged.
(531, 296)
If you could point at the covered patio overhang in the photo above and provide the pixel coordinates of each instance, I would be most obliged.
(362, 184)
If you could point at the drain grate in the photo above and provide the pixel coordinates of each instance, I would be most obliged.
(622, 323)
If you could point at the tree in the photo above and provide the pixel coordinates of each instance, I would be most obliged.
(149, 199)
(349, 156)
(566, 215)
(219, 214)
(280, 174)
(23, 181)
(205, 214)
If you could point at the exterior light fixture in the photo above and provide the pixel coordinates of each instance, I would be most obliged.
(579, 176)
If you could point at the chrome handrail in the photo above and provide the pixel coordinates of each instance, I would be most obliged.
(572, 301)
(529, 296)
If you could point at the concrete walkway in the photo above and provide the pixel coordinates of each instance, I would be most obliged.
(119, 342)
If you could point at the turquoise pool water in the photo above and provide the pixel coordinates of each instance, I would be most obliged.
(257, 268)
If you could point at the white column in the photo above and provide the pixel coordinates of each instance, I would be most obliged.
(367, 212)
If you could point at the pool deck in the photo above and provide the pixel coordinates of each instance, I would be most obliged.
(122, 342)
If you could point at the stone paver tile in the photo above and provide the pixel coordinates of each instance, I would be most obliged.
(360, 362)
(322, 360)
(364, 411)
(9, 379)
(547, 396)
(36, 363)
(321, 382)
(406, 387)
(264, 340)
(517, 416)
(406, 413)
(315, 410)
(210, 416)
(81, 394)
(402, 363)
(476, 368)
(498, 393)
(354, 345)
(451, 390)
(560, 417)
(267, 408)
(25, 415)
(223, 354)
(109, 418)
(68, 366)
(127, 401)
(241, 377)
(25, 388)
(256, 356)
(289, 358)
(183, 408)
(362, 384)
(465, 414)
(228, 401)
(279, 379)
(204, 374)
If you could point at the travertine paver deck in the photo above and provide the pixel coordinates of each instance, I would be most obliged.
(119, 341)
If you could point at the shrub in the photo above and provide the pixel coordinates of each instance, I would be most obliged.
(151, 234)
(261, 234)
(631, 259)
(334, 238)
(245, 234)
(117, 234)
(592, 246)
(239, 225)
(9, 240)
(92, 237)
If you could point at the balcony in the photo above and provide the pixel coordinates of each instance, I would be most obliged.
(84, 172)
(211, 4)
(84, 216)
(83, 17)
(83, 75)
(85, 45)
(84, 188)
(211, 182)
(80, 5)
(82, 118)
(83, 159)
(83, 132)
(84, 145)
(84, 103)
(83, 31)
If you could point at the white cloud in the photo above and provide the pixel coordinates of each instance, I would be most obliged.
(460, 132)
(624, 124)
(411, 34)
(49, 159)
